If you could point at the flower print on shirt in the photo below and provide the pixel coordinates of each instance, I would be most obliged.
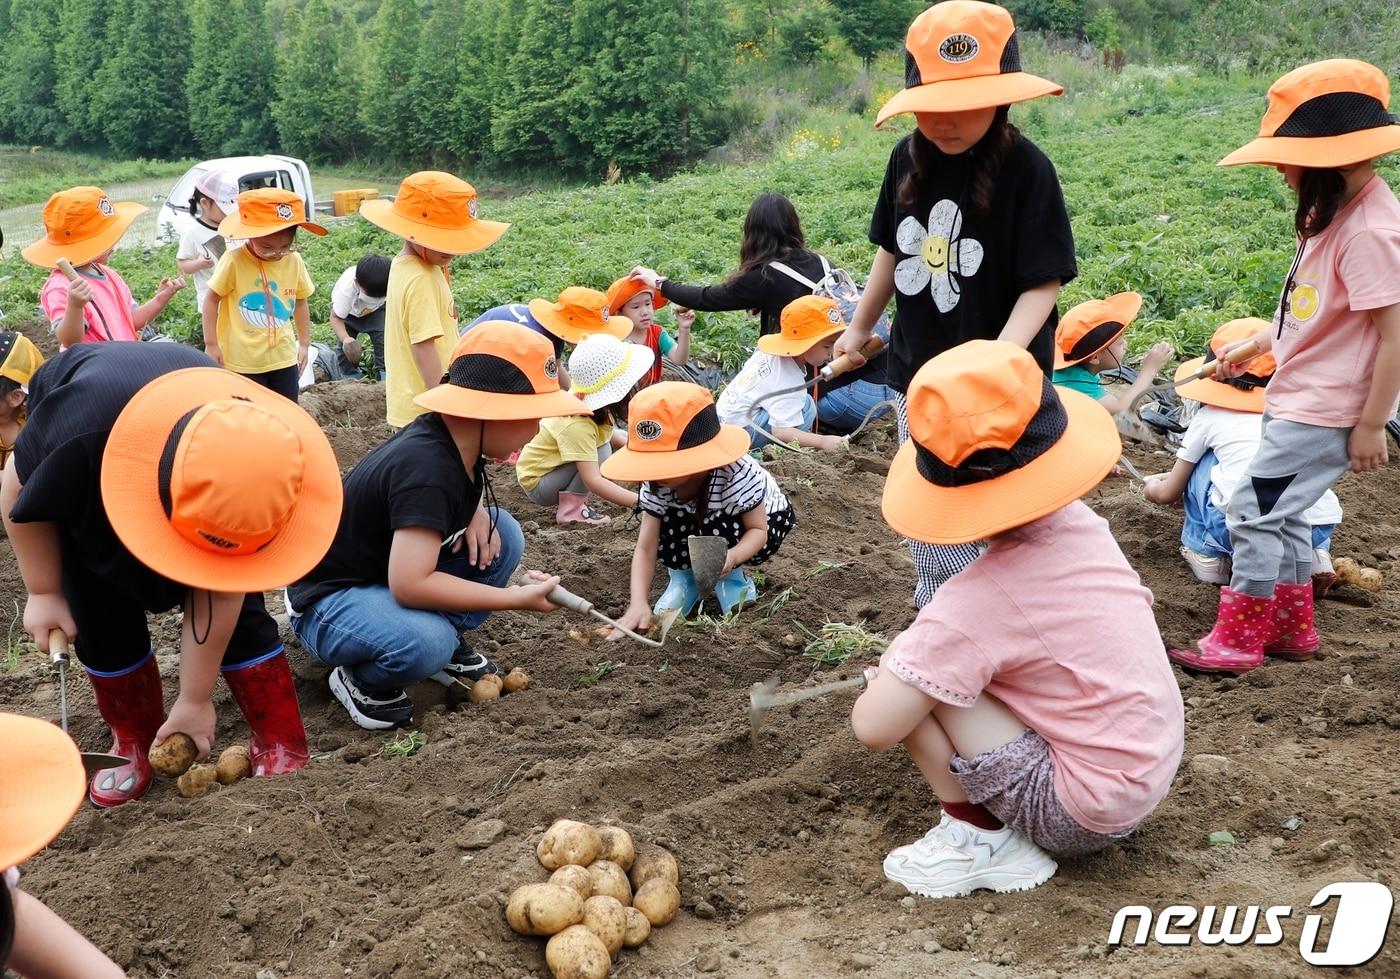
(939, 256)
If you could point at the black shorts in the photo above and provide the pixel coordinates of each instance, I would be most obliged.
(284, 380)
(679, 524)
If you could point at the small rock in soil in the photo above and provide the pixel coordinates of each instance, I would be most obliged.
(908, 902)
(860, 961)
(1210, 764)
(480, 834)
(704, 910)
(1292, 823)
(708, 962)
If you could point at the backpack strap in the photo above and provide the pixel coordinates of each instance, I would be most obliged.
(793, 274)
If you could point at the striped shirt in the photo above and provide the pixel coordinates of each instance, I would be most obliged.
(734, 489)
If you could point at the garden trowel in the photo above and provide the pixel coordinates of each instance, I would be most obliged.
(93, 761)
(707, 557)
(765, 696)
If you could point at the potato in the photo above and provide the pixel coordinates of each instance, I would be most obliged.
(577, 953)
(1352, 573)
(543, 909)
(638, 928)
(516, 679)
(234, 765)
(174, 755)
(653, 862)
(572, 875)
(659, 900)
(487, 688)
(569, 841)
(617, 846)
(610, 879)
(606, 917)
(196, 781)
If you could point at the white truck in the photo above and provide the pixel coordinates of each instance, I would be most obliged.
(251, 172)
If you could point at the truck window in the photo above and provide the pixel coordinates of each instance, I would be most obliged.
(266, 178)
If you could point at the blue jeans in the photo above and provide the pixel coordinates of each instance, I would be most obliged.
(384, 645)
(843, 409)
(758, 440)
(1204, 530)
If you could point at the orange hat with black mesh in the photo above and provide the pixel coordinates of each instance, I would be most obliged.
(436, 210)
(806, 321)
(1091, 326)
(80, 224)
(1327, 114)
(961, 55)
(501, 371)
(216, 482)
(673, 430)
(19, 358)
(992, 445)
(41, 786)
(266, 211)
(1243, 393)
(625, 289)
(579, 312)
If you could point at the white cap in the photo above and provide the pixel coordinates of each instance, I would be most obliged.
(221, 187)
(602, 369)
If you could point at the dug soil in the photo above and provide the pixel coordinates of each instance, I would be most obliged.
(370, 863)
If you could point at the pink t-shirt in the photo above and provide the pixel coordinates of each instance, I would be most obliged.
(1327, 350)
(1052, 621)
(109, 294)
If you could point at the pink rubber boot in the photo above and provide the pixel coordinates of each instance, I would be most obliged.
(574, 508)
(1236, 643)
(1295, 623)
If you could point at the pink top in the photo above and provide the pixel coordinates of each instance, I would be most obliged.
(1327, 350)
(109, 294)
(1053, 622)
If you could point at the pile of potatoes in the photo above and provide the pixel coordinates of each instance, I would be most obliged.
(174, 757)
(492, 685)
(605, 894)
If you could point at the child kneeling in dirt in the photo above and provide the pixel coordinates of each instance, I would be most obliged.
(1220, 442)
(418, 558)
(19, 359)
(1033, 690)
(697, 480)
(146, 480)
(559, 466)
(1091, 339)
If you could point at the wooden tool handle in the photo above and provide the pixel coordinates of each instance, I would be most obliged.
(66, 267)
(58, 646)
(564, 598)
(843, 363)
(1239, 355)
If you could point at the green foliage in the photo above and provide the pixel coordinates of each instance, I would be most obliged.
(316, 99)
(136, 88)
(28, 103)
(531, 118)
(386, 110)
(872, 26)
(231, 78)
(1063, 17)
(806, 31)
(78, 50)
(1102, 30)
(433, 81)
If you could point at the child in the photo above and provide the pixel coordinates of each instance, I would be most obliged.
(1035, 739)
(519, 313)
(1091, 338)
(256, 318)
(785, 360)
(83, 226)
(697, 480)
(1337, 345)
(357, 306)
(559, 466)
(973, 239)
(147, 480)
(41, 786)
(201, 245)
(435, 215)
(423, 553)
(1220, 442)
(638, 302)
(19, 359)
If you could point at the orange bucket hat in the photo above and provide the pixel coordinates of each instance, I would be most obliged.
(992, 445)
(625, 289)
(214, 481)
(673, 430)
(266, 211)
(579, 313)
(436, 210)
(501, 371)
(1327, 114)
(1091, 326)
(19, 358)
(41, 785)
(1243, 393)
(961, 55)
(80, 224)
(806, 321)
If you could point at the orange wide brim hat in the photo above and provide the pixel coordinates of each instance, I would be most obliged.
(1328, 114)
(673, 430)
(580, 312)
(266, 211)
(1091, 326)
(501, 371)
(42, 784)
(436, 210)
(216, 482)
(80, 224)
(1245, 393)
(805, 322)
(625, 289)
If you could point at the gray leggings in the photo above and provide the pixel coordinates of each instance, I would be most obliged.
(1294, 466)
(565, 479)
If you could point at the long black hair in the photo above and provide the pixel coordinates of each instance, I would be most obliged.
(987, 156)
(610, 414)
(771, 230)
(1320, 194)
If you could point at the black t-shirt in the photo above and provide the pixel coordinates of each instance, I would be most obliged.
(415, 479)
(958, 275)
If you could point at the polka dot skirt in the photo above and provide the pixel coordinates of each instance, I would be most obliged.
(677, 525)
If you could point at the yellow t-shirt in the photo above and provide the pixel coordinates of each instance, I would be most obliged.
(418, 307)
(574, 438)
(255, 328)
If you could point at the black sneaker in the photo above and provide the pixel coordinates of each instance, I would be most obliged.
(467, 666)
(374, 710)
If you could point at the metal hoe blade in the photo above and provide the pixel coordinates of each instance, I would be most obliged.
(765, 696)
(707, 557)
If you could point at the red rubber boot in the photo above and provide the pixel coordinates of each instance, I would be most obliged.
(1295, 623)
(1236, 643)
(268, 699)
(132, 705)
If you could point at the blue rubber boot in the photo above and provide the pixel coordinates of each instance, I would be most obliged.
(735, 590)
(680, 593)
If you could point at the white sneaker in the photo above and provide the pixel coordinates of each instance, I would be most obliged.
(969, 859)
(1211, 570)
(921, 849)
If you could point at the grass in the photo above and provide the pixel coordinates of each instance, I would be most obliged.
(13, 648)
(29, 175)
(598, 672)
(404, 745)
(837, 642)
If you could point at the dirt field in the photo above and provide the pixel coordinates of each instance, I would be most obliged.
(373, 866)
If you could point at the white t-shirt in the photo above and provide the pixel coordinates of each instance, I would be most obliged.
(201, 241)
(348, 299)
(734, 489)
(761, 376)
(1234, 438)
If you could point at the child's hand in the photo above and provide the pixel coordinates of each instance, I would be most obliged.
(1367, 448)
(1157, 357)
(534, 597)
(831, 443)
(215, 354)
(43, 613)
(168, 287)
(79, 293)
(648, 277)
(1154, 490)
(1225, 370)
(193, 717)
(637, 618)
(685, 319)
(303, 352)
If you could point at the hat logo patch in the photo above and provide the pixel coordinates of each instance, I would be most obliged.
(284, 212)
(607, 314)
(551, 367)
(648, 430)
(221, 542)
(833, 316)
(471, 208)
(105, 206)
(957, 48)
